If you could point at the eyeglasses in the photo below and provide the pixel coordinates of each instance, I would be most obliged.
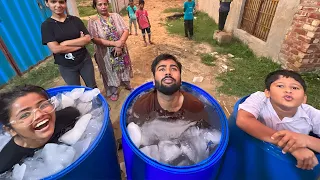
(26, 118)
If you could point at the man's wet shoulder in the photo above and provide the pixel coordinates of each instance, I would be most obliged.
(144, 103)
(192, 103)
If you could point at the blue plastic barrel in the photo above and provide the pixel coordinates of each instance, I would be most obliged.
(139, 166)
(248, 158)
(100, 160)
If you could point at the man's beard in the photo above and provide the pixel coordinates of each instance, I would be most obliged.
(168, 90)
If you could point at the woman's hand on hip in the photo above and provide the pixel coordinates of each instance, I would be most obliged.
(118, 51)
(118, 44)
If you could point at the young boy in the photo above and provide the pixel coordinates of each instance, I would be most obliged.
(188, 8)
(143, 22)
(132, 16)
(280, 116)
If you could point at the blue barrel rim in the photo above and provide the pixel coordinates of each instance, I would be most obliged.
(266, 146)
(213, 158)
(93, 144)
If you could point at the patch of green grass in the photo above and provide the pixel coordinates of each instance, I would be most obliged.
(86, 11)
(207, 59)
(89, 46)
(124, 12)
(249, 70)
(40, 76)
(313, 84)
(173, 10)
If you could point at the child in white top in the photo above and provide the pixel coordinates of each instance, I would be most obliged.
(280, 116)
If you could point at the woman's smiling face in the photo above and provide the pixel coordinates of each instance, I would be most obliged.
(32, 117)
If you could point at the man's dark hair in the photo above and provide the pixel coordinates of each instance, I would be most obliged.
(9, 97)
(163, 57)
(273, 76)
(141, 2)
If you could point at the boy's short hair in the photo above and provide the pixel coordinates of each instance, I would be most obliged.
(273, 76)
(141, 2)
(163, 57)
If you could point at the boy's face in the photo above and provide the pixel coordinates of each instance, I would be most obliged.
(286, 93)
(141, 6)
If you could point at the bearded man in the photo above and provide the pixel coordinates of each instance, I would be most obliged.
(167, 101)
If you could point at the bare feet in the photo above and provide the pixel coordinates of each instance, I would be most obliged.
(151, 42)
(145, 44)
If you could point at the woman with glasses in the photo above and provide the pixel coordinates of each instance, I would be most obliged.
(29, 116)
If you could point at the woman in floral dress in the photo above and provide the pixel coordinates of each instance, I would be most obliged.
(109, 33)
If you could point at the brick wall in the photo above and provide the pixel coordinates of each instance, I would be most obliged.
(301, 48)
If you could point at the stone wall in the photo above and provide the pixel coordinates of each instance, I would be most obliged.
(301, 48)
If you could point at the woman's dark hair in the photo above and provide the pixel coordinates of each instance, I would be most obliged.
(9, 97)
(275, 75)
(48, 0)
(94, 3)
(163, 57)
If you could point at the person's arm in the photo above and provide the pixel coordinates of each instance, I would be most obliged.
(290, 141)
(56, 48)
(306, 159)
(79, 42)
(248, 123)
(137, 15)
(125, 29)
(247, 118)
(148, 19)
(84, 36)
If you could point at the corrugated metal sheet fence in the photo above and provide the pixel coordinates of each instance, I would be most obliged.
(20, 34)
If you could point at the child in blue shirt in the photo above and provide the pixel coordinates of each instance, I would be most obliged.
(132, 17)
(188, 8)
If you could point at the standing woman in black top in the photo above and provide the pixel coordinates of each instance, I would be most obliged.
(66, 36)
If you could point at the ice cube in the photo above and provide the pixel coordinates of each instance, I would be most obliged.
(81, 146)
(73, 135)
(168, 151)
(89, 95)
(4, 139)
(66, 101)
(214, 136)
(18, 171)
(76, 93)
(135, 134)
(58, 154)
(55, 101)
(85, 107)
(151, 151)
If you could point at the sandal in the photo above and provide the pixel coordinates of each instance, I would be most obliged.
(114, 97)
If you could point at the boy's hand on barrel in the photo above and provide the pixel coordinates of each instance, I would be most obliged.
(306, 159)
(290, 141)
